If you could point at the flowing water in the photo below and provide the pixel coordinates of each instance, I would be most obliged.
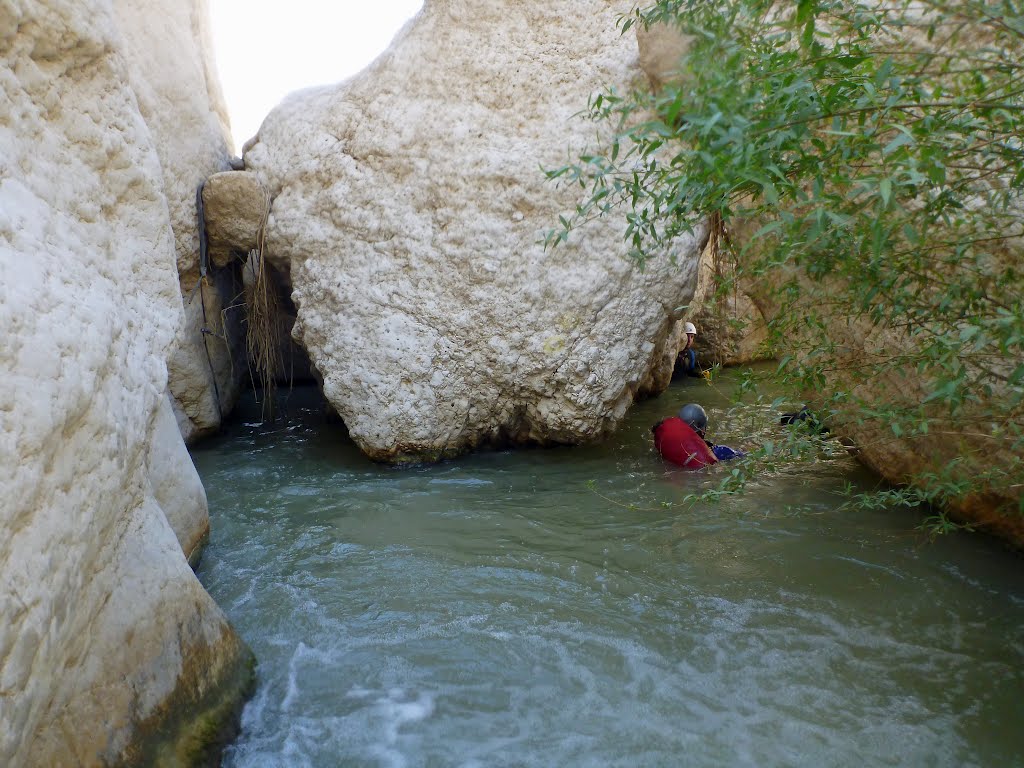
(564, 607)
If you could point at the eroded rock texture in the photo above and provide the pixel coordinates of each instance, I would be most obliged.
(235, 208)
(171, 71)
(410, 206)
(110, 650)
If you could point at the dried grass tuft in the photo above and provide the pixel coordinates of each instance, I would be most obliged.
(263, 316)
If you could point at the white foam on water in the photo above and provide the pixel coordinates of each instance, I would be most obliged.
(344, 549)
(397, 624)
(383, 714)
(469, 482)
(292, 687)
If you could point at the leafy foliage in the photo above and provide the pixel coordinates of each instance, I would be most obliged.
(866, 162)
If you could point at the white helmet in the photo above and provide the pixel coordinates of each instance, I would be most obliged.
(690, 328)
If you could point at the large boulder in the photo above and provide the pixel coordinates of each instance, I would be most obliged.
(172, 73)
(963, 448)
(110, 649)
(410, 207)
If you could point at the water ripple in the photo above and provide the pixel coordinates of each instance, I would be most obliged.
(560, 607)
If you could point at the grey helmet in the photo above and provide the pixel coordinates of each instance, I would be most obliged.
(695, 416)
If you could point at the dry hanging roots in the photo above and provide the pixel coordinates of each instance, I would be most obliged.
(263, 333)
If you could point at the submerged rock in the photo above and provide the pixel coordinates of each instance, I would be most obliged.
(110, 649)
(410, 207)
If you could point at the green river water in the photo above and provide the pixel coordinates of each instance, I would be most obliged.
(560, 607)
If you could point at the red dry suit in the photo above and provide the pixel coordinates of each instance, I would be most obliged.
(677, 442)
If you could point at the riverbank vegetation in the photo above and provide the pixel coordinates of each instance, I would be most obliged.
(863, 165)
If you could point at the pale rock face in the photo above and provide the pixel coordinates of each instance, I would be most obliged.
(410, 206)
(662, 48)
(660, 374)
(103, 625)
(170, 62)
(235, 206)
(966, 443)
(180, 494)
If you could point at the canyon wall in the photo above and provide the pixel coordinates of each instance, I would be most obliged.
(172, 73)
(110, 650)
(731, 328)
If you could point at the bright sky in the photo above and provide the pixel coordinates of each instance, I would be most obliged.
(265, 49)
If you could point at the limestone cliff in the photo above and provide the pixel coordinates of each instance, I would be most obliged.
(110, 650)
(171, 71)
(410, 207)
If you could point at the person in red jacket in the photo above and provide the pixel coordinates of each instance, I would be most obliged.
(680, 443)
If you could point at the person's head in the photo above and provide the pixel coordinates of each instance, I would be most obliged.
(691, 333)
(695, 416)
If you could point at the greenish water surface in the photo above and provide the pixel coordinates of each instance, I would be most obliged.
(561, 607)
